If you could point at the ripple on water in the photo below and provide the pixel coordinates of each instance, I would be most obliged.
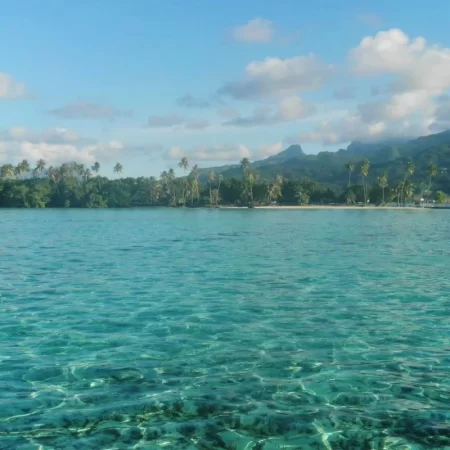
(238, 330)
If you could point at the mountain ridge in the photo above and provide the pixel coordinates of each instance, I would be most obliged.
(329, 167)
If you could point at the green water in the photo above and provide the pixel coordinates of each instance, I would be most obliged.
(239, 329)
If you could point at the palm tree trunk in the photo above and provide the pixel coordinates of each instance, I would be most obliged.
(210, 196)
(429, 187)
(364, 190)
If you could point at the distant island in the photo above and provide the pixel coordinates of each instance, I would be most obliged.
(396, 172)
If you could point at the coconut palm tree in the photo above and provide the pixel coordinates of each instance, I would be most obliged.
(55, 175)
(410, 168)
(21, 168)
(96, 168)
(408, 191)
(246, 181)
(432, 172)
(195, 185)
(383, 182)
(118, 168)
(184, 164)
(350, 166)
(40, 166)
(364, 173)
(7, 171)
(398, 189)
(219, 182)
(211, 179)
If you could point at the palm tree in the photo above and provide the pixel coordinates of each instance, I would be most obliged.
(383, 182)
(96, 167)
(350, 166)
(398, 188)
(219, 179)
(408, 190)
(87, 174)
(22, 167)
(245, 165)
(364, 173)
(184, 164)
(211, 179)
(195, 187)
(410, 168)
(40, 166)
(154, 190)
(118, 168)
(7, 171)
(432, 172)
(55, 175)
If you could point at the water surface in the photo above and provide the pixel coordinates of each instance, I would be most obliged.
(240, 329)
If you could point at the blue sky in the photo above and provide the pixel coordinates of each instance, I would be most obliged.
(146, 82)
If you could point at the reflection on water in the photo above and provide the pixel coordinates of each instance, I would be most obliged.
(240, 330)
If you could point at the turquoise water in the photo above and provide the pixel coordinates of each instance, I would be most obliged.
(230, 329)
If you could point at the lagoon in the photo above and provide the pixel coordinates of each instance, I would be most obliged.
(235, 329)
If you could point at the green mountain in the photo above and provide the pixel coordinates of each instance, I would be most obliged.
(329, 167)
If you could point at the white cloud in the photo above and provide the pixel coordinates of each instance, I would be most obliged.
(226, 152)
(88, 110)
(289, 109)
(11, 88)
(352, 128)
(418, 66)
(55, 146)
(50, 135)
(174, 121)
(410, 107)
(294, 108)
(279, 77)
(387, 52)
(255, 30)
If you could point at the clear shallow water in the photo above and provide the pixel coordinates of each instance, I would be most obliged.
(188, 329)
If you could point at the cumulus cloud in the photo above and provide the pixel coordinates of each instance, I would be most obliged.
(176, 122)
(10, 88)
(418, 66)
(55, 146)
(50, 136)
(351, 128)
(289, 109)
(225, 152)
(276, 77)
(412, 104)
(255, 30)
(88, 110)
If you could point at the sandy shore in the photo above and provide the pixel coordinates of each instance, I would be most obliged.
(330, 207)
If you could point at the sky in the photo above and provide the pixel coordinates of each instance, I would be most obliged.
(147, 82)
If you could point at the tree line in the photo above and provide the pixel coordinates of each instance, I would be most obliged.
(73, 185)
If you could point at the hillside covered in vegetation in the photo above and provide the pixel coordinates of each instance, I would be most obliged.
(383, 172)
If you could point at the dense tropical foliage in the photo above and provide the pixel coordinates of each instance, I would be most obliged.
(73, 185)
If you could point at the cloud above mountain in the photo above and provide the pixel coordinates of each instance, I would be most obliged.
(257, 30)
(11, 89)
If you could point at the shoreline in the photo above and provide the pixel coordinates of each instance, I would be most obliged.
(348, 207)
